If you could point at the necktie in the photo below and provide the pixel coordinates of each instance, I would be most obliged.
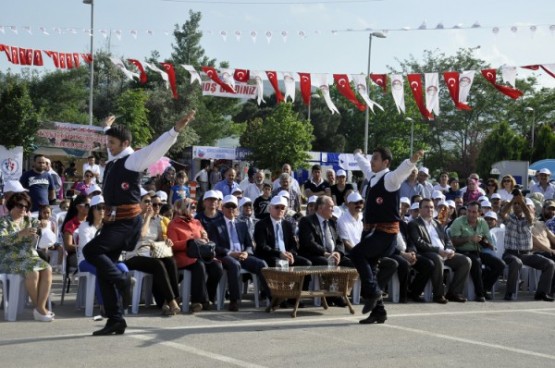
(279, 238)
(234, 237)
(328, 240)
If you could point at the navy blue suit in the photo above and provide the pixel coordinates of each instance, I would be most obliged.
(218, 233)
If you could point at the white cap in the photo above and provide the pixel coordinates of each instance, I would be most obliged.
(436, 194)
(483, 198)
(97, 199)
(244, 200)
(14, 186)
(485, 204)
(415, 206)
(544, 171)
(341, 173)
(162, 195)
(424, 170)
(451, 203)
(491, 214)
(529, 202)
(237, 190)
(312, 199)
(442, 203)
(145, 192)
(211, 194)
(337, 212)
(279, 201)
(219, 194)
(284, 193)
(230, 198)
(354, 197)
(496, 196)
(405, 200)
(93, 188)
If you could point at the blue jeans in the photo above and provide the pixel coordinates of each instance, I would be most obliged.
(86, 266)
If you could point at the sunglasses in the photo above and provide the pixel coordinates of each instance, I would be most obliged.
(22, 206)
(279, 207)
(156, 204)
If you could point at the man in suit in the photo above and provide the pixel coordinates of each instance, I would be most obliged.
(234, 248)
(272, 248)
(431, 241)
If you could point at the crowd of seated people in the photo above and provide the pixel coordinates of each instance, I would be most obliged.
(476, 233)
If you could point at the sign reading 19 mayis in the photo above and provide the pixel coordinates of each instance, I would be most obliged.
(11, 163)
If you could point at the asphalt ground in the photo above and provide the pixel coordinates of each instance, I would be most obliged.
(492, 334)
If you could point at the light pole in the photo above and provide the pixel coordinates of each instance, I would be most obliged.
(530, 109)
(411, 120)
(91, 85)
(314, 95)
(367, 115)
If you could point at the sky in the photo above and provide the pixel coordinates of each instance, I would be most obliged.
(320, 51)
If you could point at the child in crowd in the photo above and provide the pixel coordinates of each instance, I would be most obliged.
(180, 190)
(262, 203)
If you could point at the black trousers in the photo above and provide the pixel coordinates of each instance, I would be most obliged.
(204, 280)
(164, 274)
(103, 251)
(484, 279)
(424, 267)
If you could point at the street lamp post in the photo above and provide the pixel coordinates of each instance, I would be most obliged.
(411, 120)
(367, 115)
(91, 84)
(530, 109)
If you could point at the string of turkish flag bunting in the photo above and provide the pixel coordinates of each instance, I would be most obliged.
(425, 94)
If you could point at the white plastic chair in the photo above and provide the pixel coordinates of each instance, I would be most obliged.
(222, 286)
(140, 278)
(14, 294)
(87, 286)
(428, 290)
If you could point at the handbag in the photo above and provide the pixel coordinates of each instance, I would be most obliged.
(201, 250)
(159, 249)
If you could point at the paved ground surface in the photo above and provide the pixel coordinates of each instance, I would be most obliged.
(493, 334)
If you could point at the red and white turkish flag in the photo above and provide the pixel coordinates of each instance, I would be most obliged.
(398, 92)
(69, 61)
(62, 60)
(76, 60)
(415, 81)
(118, 63)
(23, 56)
(306, 87)
(273, 78)
(548, 68)
(213, 74)
(87, 58)
(241, 75)
(452, 80)
(55, 57)
(162, 73)
(142, 73)
(171, 76)
(380, 80)
(491, 76)
(37, 58)
(344, 87)
(432, 92)
(15, 55)
(6, 49)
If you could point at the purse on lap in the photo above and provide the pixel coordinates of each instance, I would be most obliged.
(203, 251)
(159, 249)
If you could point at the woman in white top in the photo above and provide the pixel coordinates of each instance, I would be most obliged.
(86, 231)
(507, 185)
(164, 270)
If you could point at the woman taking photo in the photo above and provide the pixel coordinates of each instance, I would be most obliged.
(205, 276)
(18, 240)
(163, 270)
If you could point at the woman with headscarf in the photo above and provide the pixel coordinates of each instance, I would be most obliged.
(205, 276)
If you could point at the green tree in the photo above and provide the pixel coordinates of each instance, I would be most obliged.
(131, 112)
(502, 143)
(19, 120)
(281, 137)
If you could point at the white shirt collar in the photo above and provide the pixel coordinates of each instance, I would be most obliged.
(126, 152)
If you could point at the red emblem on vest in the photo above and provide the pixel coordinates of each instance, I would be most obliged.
(125, 186)
(379, 200)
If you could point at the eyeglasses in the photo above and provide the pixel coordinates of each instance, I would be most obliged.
(100, 207)
(83, 205)
(22, 206)
(281, 208)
